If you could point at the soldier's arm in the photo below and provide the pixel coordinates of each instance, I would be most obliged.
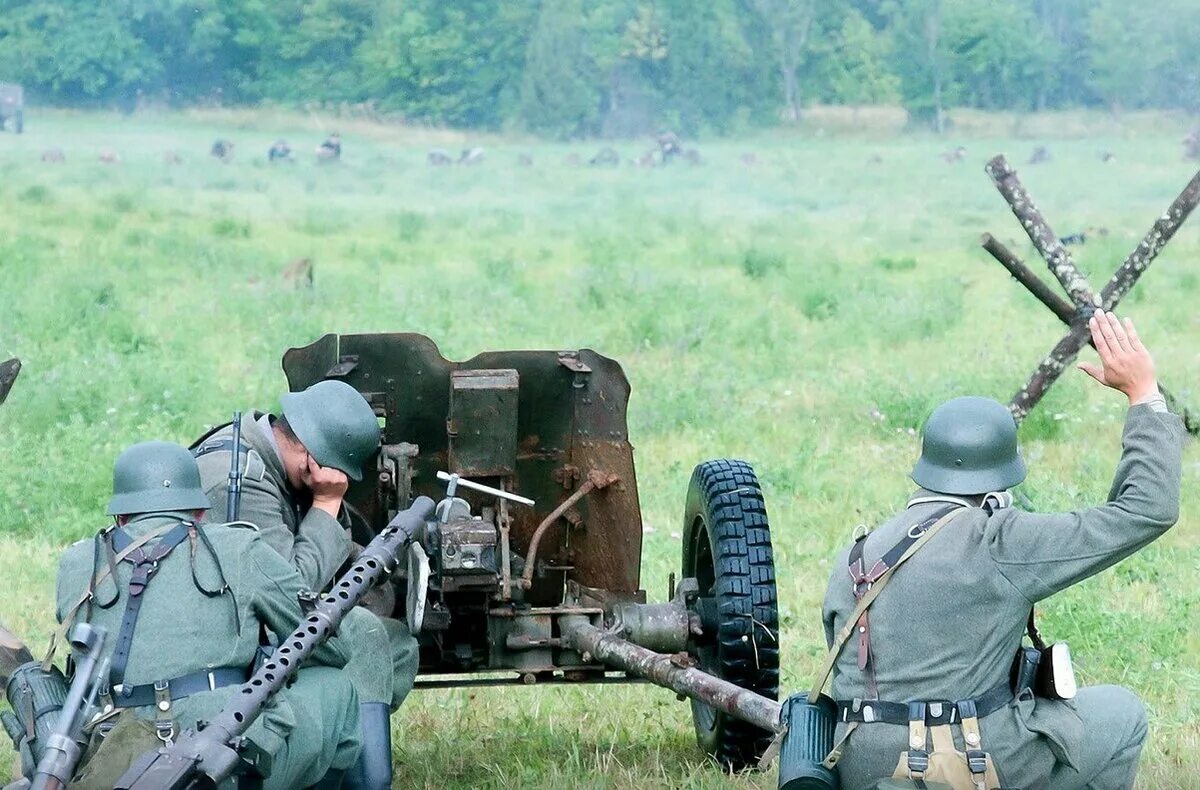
(277, 588)
(1041, 554)
(317, 548)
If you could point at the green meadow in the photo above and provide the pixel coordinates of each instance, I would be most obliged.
(804, 313)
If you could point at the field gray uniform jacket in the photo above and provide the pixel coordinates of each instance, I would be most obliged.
(316, 544)
(949, 622)
(309, 537)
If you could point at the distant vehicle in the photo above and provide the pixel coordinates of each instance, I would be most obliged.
(12, 106)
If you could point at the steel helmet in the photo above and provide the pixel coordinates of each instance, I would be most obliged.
(969, 446)
(152, 477)
(335, 424)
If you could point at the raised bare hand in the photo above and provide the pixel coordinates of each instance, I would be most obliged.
(1126, 365)
(328, 485)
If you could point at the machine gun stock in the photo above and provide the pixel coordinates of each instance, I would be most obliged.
(210, 755)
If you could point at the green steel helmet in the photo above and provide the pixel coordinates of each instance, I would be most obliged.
(335, 424)
(969, 446)
(152, 477)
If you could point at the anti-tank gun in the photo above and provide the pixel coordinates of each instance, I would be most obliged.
(531, 572)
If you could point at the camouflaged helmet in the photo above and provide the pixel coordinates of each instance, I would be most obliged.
(152, 477)
(335, 424)
(969, 446)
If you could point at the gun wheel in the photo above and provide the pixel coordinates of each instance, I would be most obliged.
(727, 549)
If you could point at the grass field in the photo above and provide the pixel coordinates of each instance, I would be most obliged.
(804, 314)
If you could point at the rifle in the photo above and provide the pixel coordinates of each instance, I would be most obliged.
(234, 499)
(198, 758)
(58, 763)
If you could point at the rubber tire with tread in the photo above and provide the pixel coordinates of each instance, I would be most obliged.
(727, 548)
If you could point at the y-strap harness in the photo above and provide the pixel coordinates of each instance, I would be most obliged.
(867, 584)
(120, 547)
(922, 717)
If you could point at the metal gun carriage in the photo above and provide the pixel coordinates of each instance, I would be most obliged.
(531, 572)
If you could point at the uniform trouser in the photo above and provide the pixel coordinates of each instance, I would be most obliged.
(383, 657)
(369, 664)
(326, 732)
(405, 655)
(1114, 731)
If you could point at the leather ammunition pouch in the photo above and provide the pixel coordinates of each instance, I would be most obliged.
(36, 697)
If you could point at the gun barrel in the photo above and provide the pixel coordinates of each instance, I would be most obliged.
(233, 500)
(207, 752)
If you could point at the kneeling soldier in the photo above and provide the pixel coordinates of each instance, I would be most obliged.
(934, 654)
(297, 467)
(183, 602)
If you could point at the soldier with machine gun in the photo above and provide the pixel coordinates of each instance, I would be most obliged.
(183, 602)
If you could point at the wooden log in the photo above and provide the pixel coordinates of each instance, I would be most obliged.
(1060, 358)
(1025, 276)
(1044, 239)
(1144, 254)
(8, 376)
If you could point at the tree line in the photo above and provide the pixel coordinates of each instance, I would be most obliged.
(575, 68)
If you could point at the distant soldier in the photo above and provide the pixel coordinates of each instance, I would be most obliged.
(279, 151)
(222, 149)
(439, 157)
(934, 653)
(669, 145)
(297, 467)
(110, 157)
(955, 155)
(183, 602)
(605, 157)
(331, 148)
(471, 156)
(1107, 156)
(1191, 145)
(647, 159)
(1040, 155)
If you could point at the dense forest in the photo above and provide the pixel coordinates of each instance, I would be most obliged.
(571, 68)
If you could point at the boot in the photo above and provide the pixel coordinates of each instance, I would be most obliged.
(373, 771)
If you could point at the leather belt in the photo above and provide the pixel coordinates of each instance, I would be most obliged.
(180, 687)
(937, 712)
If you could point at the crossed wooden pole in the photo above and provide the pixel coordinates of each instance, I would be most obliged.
(1083, 301)
(8, 375)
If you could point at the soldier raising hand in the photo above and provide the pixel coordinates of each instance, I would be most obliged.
(940, 652)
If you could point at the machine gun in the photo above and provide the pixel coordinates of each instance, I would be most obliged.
(206, 757)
